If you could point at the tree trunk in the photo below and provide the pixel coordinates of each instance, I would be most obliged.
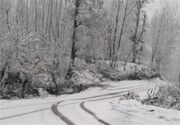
(74, 37)
(158, 36)
(115, 35)
(24, 88)
(135, 40)
(35, 24)
(55, 82)
(134, 54)
(121, 32)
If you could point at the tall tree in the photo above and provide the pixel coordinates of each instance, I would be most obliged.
(162, 18)
(137, 34)
(115, 34)
(121, 33)
(164, 28)
(75, 26)
(35, 15)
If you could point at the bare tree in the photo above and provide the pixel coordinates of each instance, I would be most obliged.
(75, 26)
(137, 35)
(36, 14)
(165, 32)
(121, 33)
(115, 34)
(162, 18)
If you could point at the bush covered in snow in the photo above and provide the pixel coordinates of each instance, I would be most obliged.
(22, 81)
(69, 87)
(17, 85)
(129, 72)
(116, 75)
(130, 96)
(166, 97)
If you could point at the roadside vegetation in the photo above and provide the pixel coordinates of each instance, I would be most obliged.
(66, 46)
(167, 97)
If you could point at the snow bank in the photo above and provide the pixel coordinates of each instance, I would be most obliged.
(134, 113)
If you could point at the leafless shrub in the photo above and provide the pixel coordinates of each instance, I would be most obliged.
(167, 97)
(129, 95)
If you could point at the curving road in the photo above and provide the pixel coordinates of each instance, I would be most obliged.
(70, 110)
(79, 105)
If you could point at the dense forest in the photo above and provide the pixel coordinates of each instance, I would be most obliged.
(42, 41)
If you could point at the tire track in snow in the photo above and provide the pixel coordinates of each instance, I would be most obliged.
(82, 105)
(118, 88)
(29, 105)
(55, 110)
(93, 114)
(60, 115)
(22, 114)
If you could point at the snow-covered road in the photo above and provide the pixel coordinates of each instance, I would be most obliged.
(96, 106)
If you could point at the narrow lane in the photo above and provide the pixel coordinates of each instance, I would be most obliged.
(69, 110)
(81, 102)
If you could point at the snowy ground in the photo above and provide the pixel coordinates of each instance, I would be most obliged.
(96, 106)
(134, 113)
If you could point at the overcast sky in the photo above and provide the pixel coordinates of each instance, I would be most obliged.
(151, 9)
(153, 6)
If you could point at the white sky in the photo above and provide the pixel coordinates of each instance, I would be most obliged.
(156, 4)
(153, 6)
